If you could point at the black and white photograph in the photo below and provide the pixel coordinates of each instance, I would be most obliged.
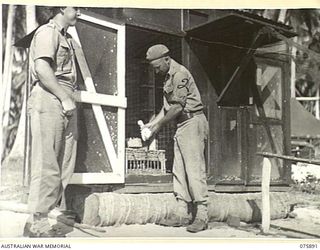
(160, 123)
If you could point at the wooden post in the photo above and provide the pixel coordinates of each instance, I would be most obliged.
(289, 158)
(265, 188)
(31, 24)
(317, 106)
(293, 69)
(27, 141)
(7, 82)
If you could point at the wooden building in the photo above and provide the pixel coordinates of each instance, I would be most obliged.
(240, 65)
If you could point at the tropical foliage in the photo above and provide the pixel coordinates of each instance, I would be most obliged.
(19, 75)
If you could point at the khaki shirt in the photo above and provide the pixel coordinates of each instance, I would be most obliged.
(179, 87)
(51, 41)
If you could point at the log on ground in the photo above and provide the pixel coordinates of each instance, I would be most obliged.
(108, 209)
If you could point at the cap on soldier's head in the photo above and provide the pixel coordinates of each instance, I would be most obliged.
(157, 51)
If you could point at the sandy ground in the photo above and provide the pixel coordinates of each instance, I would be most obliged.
(15, 223)
(305, 218)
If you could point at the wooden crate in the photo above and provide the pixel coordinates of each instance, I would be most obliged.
(144, 161)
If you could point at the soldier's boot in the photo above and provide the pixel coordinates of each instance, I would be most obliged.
(181, 218)
(40, 227)
(200, 222)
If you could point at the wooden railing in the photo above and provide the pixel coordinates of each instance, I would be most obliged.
(265, 183)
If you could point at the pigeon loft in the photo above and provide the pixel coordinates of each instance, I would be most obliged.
(241, 65)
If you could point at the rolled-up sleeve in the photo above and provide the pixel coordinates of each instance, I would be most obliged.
(46, 44)
(180, 89)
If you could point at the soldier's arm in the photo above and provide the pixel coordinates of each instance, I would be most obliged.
(172, 113)
(46, 45)
(178, 101)
(48, 79)
(158, 117)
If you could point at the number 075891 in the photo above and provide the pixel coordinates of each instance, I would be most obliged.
(308, 246)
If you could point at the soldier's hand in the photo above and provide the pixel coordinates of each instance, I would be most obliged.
(154, 127)
(68, 106)
(148, 125)
(145, 131)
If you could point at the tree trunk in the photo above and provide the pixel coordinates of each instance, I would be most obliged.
(31, 18)
(6, 80)
(109, 209)
(7, 69)
(17, 153)
(293, 51)
(282, 16)
(271, 14)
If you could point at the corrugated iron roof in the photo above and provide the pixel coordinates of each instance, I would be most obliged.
(230, 24)
(261, 17)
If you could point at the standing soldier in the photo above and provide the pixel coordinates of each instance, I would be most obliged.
(182, 102)
(53, 118)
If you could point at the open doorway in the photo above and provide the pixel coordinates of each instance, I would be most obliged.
(144, 92)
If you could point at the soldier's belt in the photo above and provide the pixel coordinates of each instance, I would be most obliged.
(188, 115)
(65, 86)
